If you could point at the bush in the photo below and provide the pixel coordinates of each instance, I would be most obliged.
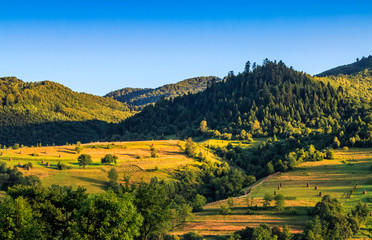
(61, 166)
(345, 148)
(16, 146)
(225, 210)
(192, 236)
(250, 212)
(292, 211)
(109, 159)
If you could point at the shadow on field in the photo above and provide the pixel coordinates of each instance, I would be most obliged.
(98, 183)
(67, 150)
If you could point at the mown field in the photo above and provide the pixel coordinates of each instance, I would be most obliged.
(351, 169)
(134, 160)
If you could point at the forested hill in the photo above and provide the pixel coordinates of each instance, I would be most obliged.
(141, 97)
(38, 112)
(353, 68)
(268, 100)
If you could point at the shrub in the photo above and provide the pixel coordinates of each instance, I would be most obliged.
(109, 159)
(61, 166)
(250, 212)
(225, 210)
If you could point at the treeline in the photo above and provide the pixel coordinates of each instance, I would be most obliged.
(271, 99)
(140, 97)
(353, 68)
(48, 112)
(130, 211)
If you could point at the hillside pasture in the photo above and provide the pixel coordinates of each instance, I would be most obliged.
(351, 169)
(134, 160)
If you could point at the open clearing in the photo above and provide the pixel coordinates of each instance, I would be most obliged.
(134, 160)
(335, 177)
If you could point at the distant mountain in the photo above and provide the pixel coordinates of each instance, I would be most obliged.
(140, 97)
(49, 112)
(353, 68)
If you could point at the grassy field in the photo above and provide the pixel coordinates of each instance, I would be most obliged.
(335, 177)
(134, 160)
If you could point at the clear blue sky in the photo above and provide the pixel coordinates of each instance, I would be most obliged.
(99, 46)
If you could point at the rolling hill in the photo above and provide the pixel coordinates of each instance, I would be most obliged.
(140, 97)
(353, 68)
(47, 112)
(272, 99)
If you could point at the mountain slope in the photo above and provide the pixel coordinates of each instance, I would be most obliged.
(353, 68)
(141, 97)
(270, 100)
(359, 84)
(30, 112)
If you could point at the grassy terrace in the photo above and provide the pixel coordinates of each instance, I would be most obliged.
(134, 159)
(335, 177)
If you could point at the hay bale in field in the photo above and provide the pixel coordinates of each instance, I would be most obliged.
(316, 187)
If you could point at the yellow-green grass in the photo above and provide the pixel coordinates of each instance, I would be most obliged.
(134, 160)
(335, 177)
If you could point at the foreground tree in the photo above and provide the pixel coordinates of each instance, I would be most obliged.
(17, 221)
(108, 216)
(153, 204)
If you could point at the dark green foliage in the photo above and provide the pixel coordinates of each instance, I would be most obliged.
(54, 209)
(11, 177)
(331, 221)
(192, 236)
(17, 220)
(62, 166)
(51, 113)
(154, 152)
(225, 209)
(198, 203)
(353, 68)
(271, 100)
(84, 159)
(108, 216)
(330, 154)
(113, 176)
(153, 203)
(140, 97)
(279, 202)
(109, 159)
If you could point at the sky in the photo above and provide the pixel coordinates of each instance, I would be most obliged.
(100, 46)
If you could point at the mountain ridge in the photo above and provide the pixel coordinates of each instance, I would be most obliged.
(140, 97)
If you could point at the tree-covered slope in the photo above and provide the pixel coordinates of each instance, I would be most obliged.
(270, 100)
(358, 84)
(37, 112)
(141, 97)
(353, 68)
